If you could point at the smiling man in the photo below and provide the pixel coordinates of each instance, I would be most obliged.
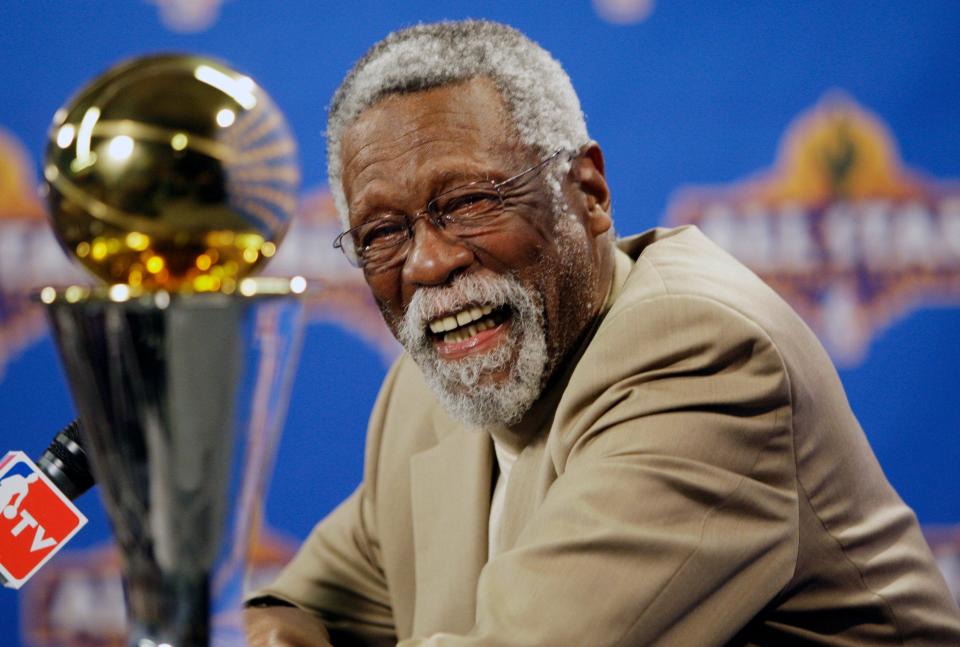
(486, 303)
(588, 441)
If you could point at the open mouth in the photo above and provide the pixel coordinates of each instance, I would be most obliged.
(466, 323)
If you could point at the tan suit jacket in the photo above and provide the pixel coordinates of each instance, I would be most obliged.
(694, 477)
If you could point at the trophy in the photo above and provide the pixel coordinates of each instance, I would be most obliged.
(172, 178)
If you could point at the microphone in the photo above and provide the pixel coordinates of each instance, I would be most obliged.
(37, 514)
(65, 462)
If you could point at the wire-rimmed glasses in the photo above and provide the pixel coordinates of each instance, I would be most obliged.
(464, 211)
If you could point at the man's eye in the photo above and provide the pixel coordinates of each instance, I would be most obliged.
(470, 203)
(383, 235)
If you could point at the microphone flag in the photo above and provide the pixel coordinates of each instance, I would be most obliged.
(36, 519)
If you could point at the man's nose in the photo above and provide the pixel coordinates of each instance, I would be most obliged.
(435, 256)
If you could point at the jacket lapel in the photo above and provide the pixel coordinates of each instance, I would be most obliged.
(450, 488)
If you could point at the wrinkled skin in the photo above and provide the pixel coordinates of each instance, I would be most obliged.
(408, 148)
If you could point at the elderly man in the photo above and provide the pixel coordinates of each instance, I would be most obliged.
(587, 442)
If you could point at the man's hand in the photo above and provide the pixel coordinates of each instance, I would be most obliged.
(283, 626)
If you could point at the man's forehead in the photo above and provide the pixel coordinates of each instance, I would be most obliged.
(465, 113)
(419, 142)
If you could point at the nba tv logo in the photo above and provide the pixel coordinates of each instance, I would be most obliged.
(36, 519)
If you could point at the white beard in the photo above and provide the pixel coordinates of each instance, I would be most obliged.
(460, 385)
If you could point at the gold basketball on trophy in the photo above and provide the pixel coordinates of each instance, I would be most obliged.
(171, 172)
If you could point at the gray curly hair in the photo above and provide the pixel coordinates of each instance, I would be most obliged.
(537, 92)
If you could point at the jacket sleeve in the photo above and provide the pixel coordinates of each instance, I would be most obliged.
(337, 572)
(672, 519)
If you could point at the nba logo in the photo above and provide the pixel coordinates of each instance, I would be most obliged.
(36, 519)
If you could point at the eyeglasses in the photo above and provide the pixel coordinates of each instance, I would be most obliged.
(468, 210)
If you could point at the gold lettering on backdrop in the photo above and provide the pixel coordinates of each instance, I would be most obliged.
(839, 226)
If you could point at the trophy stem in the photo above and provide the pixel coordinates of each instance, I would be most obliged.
(182, 401)
(167, 610)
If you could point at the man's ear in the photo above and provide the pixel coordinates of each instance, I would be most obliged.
(587, 175)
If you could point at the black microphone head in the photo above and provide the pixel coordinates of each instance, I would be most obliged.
(65, 462)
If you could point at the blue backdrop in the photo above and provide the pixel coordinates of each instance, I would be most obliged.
(734, 116)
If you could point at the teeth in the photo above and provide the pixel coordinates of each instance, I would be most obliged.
(462, 318)
(467, 332)
(464, 324)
